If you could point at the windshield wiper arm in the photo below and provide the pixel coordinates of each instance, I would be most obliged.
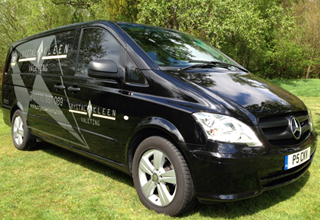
(203, 61)
(207, 63)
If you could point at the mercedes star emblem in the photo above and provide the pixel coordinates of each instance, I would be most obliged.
(295, 127)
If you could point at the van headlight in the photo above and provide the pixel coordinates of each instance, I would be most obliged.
(226, 129)
(310, 120)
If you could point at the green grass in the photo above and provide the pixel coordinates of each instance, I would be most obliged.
(300, 87)
(52, 183)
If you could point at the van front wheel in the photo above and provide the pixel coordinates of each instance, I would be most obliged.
(161, 177)
(21, 137)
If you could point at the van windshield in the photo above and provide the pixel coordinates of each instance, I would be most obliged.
(172, 48)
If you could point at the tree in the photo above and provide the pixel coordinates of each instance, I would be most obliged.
(272, 38)
(307, 16)
(118, 10)
(84, 4)
(245, 30)
(122, 10)
(84, 10)
(19, 18)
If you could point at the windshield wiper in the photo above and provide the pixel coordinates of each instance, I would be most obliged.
(208, 64)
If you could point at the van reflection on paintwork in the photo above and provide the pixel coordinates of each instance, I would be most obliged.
(183, 119)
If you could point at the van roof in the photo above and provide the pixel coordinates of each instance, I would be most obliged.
(59, 29)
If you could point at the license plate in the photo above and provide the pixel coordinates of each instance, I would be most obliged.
(296, 159)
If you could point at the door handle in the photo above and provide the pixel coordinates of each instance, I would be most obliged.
(59, 86)
(74, 89)
(124, 92)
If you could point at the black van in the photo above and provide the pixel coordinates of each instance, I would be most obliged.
(186, 121)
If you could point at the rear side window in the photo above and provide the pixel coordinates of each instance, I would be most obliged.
(50, 54)
(98, 44)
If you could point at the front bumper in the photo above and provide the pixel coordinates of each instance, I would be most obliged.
(229, 172)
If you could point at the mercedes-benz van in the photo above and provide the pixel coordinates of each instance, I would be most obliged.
(183, 119)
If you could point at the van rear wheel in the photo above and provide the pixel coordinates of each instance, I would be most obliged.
(21, 137)
(161, 177)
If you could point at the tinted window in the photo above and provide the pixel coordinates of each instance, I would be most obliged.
(133, 73)
(171, 48)
(98, 44)
(51, 54)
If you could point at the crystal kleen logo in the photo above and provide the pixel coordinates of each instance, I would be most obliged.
(44, 52)
(40, 52)
(92, 111)
(89, 109)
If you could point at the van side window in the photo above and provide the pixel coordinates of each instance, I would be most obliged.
(133, 73)
(98, 44)
(50, 54)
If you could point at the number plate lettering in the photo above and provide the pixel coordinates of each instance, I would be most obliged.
(296, 159)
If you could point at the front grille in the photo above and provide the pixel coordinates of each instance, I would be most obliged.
(278, 131)
(282, 177)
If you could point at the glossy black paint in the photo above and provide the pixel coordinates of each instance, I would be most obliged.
(163, 106)
(258, 96)
(243, 172)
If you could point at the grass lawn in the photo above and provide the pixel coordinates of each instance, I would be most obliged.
(52, 183)
(300, 87)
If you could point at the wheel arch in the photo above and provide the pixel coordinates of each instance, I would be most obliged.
(153, 126)
(16, 106)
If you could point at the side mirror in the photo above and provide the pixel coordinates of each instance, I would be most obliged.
(105, 69)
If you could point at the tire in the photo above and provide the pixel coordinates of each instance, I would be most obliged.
(161, 177)
(21, 137)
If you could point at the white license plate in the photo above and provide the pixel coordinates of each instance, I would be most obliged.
(296, 159)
